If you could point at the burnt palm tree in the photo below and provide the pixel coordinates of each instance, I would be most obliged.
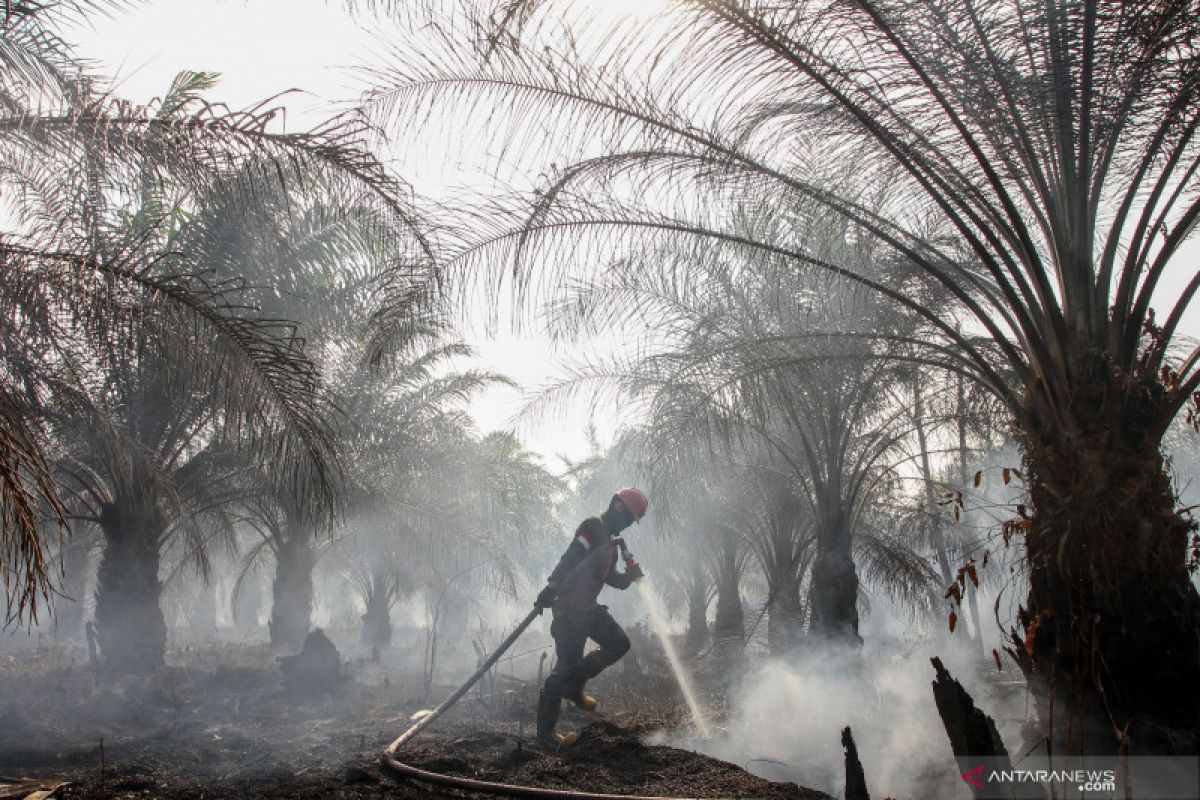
(1046, 161)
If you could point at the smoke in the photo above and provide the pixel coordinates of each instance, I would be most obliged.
(786, 715)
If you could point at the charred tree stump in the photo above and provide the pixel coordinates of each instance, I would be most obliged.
(316, 668)
(972, 733)
(856, 780)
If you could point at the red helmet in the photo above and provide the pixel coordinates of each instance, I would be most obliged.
(635, 501)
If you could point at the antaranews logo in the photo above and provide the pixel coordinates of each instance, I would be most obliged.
(974, 777)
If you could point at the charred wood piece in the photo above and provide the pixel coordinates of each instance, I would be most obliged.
(856, 781)
(973, 734)
(316, 668)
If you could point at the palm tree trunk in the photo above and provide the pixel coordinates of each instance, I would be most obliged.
(249, 602)
(729, 625)
(697, 630)
(1111, 626)
(292, 594)
(833, 595)
(130, 628)
(377, 620)
(785, 614)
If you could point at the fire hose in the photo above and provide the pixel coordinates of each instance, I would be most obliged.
(394, 765)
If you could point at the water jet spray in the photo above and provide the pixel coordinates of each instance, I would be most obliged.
(658, 621)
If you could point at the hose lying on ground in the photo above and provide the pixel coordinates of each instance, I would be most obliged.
(426, 720)
(391, 763)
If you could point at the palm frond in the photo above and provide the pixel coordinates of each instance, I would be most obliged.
(31, 508)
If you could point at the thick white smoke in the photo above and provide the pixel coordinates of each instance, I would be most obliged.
(786, 716)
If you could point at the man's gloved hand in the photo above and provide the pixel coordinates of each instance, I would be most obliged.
(547, 596)
(633, 570)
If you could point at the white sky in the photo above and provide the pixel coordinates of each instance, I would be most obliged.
(265, 47)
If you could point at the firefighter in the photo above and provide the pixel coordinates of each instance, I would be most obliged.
(571, 593)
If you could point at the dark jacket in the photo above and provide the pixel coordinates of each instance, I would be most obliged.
(579, 592)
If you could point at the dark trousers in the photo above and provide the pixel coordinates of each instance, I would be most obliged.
(571, 629)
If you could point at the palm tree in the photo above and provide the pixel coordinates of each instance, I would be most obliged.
(148, 479)
(419, 474)
(1046, 161)
(405, 432)
(155, 453)
(498, 513)
(102, 269)
(697, 548)
(708, 517)
(748, 348)
(784, 541)
(283, 531)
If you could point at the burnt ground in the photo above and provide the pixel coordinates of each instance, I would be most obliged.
(606, 758)
(220, 724)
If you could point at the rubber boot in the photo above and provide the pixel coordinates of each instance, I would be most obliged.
(590, 667)
(580, 698)
(547, 718)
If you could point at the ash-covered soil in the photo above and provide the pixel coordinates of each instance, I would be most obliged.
(219, 723)
(607, 758)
